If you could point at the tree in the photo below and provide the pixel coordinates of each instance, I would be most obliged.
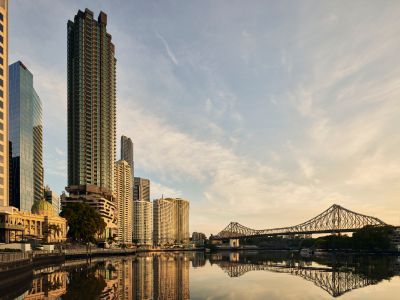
(49, 230)
(84, 222)
(373, 238)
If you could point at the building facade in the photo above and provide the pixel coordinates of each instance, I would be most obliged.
(98, 198)
(142, 222)
(170, 221)
(123, 193)
(92, 115)
(26, 139)
(141, 189)
(91, 102)
(53, 198)
(4, 145)
(127, 152)
(40, 224)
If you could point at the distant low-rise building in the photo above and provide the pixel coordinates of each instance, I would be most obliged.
(198, 238)
(170, 221)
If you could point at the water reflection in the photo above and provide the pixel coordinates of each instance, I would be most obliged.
(166, 275)
(334, 274)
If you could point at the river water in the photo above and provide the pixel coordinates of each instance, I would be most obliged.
(236, 275)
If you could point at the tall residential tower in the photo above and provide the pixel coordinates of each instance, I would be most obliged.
(92, 116)
(26, 139)
(123, 193)
(91, 102)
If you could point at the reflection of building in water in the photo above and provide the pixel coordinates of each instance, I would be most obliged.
(110, 275)
(142, 277)
(171, 277)
(49, 286)
(124, 268)
(160, 276)
(198, 259)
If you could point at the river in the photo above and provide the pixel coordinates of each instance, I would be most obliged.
(235, 275)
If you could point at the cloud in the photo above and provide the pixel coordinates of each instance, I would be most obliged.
(159, 190)
(171, 55)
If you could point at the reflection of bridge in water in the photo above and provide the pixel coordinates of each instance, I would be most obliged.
(335, 282)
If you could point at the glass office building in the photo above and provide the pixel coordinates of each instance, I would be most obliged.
(26, 139)
(4, 154)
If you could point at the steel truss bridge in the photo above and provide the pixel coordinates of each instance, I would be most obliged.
(336, 219)
(335, 282)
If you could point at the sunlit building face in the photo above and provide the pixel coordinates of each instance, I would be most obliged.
(4, 151)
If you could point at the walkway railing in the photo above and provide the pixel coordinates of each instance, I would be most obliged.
(14, 257)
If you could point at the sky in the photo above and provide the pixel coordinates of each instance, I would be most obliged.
(260, 112)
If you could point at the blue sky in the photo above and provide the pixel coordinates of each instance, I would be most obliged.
(262, 112)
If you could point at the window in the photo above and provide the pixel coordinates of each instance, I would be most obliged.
(1, 38)
(1, 60)
(1, 17)
(1, 115)
(1, 82)
(1, 71)
(1, 50)
(1, 27)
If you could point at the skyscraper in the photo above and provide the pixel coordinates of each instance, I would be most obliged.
(51, 197)
(91, 102)
(26, 137)
(170, 221)
(142, 212)
(127, 152)
(4, 154)
(123, 193)
(143, 222)
(91, 116)
(141, 189)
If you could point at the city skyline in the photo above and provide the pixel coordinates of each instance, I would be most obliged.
(252, 121)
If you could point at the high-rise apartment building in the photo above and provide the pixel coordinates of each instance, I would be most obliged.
(4, 154)
(123, 193)
(91, 102)
(170, 221)
(143, 222)
(127, 152)
(52, 197)
(141, 189)
(91, 116)
(142, 212)
(26, 138)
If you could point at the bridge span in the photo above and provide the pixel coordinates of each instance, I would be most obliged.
(336, 219)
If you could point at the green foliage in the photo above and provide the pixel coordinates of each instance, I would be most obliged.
(373, 238)
(369, 238)
(84, 222)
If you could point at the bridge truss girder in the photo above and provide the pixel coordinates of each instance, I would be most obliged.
(335, 219)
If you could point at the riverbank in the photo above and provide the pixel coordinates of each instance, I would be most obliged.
(21, 264)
